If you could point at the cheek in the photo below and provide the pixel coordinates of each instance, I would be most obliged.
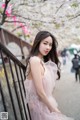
(51, 48)
(41, 47)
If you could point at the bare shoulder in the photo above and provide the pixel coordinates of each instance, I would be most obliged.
(34, 60)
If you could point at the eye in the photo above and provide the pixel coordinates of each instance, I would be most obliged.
(50, 45)
(45, 43)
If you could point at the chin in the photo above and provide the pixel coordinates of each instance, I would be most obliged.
(45, 54)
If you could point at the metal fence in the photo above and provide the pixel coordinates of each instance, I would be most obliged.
(7, 39)
(12, 91)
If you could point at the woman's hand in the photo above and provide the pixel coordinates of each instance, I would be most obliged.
(55, 110)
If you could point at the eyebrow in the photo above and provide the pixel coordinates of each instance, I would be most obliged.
(47, 42)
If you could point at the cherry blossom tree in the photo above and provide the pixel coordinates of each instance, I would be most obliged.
(7, 15)
(35, 15)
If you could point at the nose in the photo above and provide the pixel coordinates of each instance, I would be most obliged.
(48, 47)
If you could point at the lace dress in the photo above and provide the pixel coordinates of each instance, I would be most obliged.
(38, 110)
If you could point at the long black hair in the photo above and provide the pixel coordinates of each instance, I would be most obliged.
(52, 55)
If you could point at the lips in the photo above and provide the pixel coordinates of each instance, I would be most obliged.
(46, 52)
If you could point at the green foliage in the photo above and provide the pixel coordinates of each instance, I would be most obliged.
(36, 25)
(1, 10)
(3, 78)
(57, 25)
(27, 36)
(75, 4)
(19, 34)
(69, 16)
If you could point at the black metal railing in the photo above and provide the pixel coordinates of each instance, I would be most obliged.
(12, 91)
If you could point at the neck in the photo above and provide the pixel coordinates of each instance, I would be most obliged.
(40, 56)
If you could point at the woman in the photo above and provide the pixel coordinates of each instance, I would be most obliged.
(41, 73)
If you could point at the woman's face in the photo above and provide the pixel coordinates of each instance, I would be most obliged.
(45, 46)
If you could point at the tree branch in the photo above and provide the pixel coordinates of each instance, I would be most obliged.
(26, 4)
(3, 14)
(74, 17)
(13, 21)
(59, 8)
(30, 18)
(17, 28)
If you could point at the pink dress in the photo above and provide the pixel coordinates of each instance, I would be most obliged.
(38, 110)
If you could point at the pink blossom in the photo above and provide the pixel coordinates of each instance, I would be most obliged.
(3, 5)
(14, 19)
(7, 13)
(9, 9)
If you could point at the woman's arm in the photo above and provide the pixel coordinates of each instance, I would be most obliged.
(37, 78)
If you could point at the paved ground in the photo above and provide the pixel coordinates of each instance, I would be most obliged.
(67, 93)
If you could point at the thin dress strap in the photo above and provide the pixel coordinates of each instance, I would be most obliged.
(28, 69)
